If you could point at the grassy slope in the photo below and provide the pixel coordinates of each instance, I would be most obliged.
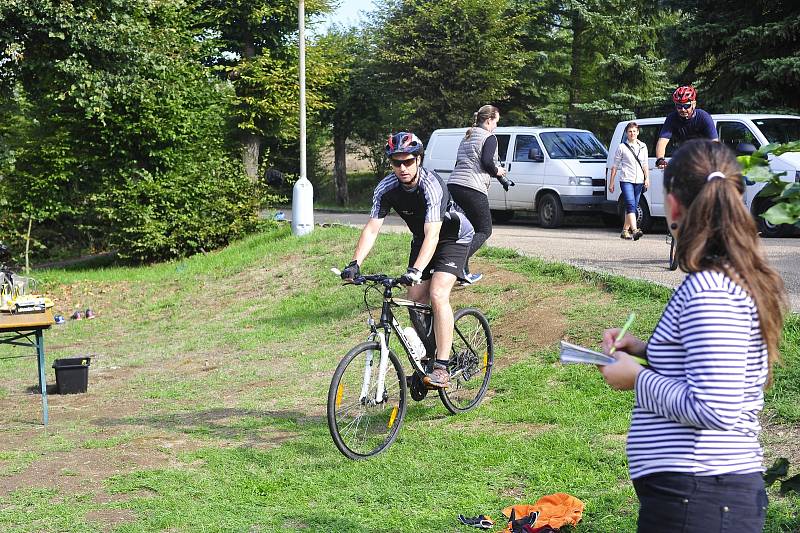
(234, 351)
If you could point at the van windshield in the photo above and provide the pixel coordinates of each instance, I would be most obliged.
(573, 145)
(779, 130)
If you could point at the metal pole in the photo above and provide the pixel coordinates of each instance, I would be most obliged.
(302, 27)
(303, 192)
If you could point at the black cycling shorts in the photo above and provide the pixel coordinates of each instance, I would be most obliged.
(449, 257)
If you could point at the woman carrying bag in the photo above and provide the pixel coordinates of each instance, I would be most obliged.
(634, 179)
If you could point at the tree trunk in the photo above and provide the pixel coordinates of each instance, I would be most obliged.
(576, 72)
(251, 143)
(340, 167)
(251, 146)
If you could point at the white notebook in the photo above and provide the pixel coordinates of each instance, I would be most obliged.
(572, 353)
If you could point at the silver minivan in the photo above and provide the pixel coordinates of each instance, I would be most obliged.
(556, 170)
(743, 133)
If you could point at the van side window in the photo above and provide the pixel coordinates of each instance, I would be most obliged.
(648, 134)
(502, 145)
(734, 133)
(523, 145)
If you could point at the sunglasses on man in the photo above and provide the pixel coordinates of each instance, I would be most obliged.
(683, 106)
(397, 163)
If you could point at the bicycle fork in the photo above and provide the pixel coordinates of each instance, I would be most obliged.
(383, 366)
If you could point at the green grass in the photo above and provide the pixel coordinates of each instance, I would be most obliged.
(215, 370)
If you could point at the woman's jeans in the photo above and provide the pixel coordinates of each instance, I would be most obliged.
(475, 205)
(674, 503)
(631, 192)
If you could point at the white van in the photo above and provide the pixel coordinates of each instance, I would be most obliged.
(556, 170)
(744, 133)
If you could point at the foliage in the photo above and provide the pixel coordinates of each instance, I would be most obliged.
(441, 61)
(587, 65)
(254, 46)
(785, 194)
(109, 99)
(743, 55)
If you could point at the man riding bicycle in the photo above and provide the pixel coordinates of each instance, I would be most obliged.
(686, 122)
(440, 243)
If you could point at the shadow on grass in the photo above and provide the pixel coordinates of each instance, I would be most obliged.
(240, 425)
(325, 522)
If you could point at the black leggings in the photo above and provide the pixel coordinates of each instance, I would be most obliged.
(475, 205)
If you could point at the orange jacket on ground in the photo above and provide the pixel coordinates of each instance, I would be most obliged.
(555, 510)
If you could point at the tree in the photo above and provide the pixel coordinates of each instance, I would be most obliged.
(588, 65)
(120, 132)
(441, 61)
(745, 56)
(254, 47)
(355, 96)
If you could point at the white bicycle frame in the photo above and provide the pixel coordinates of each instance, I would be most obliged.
(383, 364)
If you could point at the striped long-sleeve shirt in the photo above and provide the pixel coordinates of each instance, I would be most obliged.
(697, 404)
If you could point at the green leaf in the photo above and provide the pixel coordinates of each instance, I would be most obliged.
(791, 484)
(775, 187)
(778, 470)
(792, 191)
(783, 213)
(760, 173)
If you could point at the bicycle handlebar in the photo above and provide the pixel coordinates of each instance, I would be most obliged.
(382, 279)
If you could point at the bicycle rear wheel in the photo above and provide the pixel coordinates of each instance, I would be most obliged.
(471, 362)
(673, 261)
(360, 425)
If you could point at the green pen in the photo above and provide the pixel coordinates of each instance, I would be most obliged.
(621, 334)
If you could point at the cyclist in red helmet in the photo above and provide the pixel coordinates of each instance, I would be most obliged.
(441, 236)
(686, 122)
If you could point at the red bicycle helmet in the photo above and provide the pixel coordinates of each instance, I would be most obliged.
(684, 94)
(403, 143)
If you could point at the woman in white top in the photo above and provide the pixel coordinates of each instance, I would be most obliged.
(693, 450)
(631, 162)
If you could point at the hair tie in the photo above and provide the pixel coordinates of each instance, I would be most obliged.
(715, 175)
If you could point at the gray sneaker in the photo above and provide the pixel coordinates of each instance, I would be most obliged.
(439, 378)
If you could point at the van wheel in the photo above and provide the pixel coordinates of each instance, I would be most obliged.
(502, 216)
(766, 228)
(643, 219)
(551, 214)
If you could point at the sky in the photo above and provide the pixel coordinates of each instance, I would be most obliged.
(348, 13)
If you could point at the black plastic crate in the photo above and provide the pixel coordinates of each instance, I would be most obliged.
(72, 374)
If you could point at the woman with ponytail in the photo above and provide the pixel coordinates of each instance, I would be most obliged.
(476, 164)
(693, 449)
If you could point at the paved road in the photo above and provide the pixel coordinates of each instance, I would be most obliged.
(599, 249)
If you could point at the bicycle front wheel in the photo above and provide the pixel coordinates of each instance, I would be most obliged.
(471, 361)
(362, 420)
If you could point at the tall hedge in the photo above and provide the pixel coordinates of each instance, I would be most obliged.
(119, 130)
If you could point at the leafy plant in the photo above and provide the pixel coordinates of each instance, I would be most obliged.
(785, 194)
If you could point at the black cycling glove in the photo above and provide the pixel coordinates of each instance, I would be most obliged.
(506, 183)
(661, 162)
(411, 277)
(351, 271)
